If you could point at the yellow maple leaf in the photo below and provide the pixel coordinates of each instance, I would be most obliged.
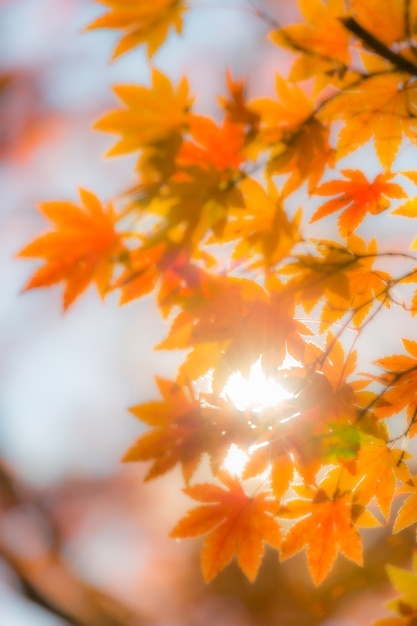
(322, 40)
(151, 115)
(384, 19)
(262, 229)
(141, 22)
(376, 107)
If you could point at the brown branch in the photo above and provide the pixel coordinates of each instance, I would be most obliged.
(47, 579)
(377, 46)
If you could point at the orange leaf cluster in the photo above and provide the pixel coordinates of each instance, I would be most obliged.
(214, 230)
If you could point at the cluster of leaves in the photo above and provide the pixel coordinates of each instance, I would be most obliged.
(210, 229)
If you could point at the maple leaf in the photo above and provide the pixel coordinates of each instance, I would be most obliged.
(322, 274)
(178, 434)
(141, 22)
(262, 228)
(217, 146)
(375, 107)
(161, 263)
(322, 41)
(298, 142)
(357, 196)
(400, 377)
(407, 512)
(235, 104)
(82, 249)
(405, 605)
(375, 471)
(184, 427)
(384, 19)
(325, 529)
(141, 272)
(151, 115)
(343, 275)
(238, 524)
(241, 321)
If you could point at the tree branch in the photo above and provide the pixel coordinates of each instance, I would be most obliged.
(377, 46)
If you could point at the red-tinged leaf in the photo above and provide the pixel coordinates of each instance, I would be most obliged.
(357, 196)
(216, 146)
(82, 249)
(240, 526)
(235, 104)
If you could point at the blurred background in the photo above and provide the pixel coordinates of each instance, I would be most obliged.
(82, 540)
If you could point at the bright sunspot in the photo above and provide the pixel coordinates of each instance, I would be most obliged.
(257, 392)
(235, 460)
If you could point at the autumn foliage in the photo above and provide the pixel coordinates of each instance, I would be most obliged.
(212, 228)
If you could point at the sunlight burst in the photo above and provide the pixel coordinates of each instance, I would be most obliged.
(235, 460)
(257, 392)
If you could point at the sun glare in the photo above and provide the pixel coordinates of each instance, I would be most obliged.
(257, 392)
(235, 460)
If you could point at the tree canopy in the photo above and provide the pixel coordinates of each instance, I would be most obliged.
(221, 226)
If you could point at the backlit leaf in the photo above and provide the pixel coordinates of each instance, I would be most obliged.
(238, 524)
(82, 249)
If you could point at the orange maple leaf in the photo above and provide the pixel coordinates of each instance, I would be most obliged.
(407, 513)
(357, 196)
(235, 104)
(178, 434)
(343, 275)
(325, 529)
(241, 321)
(83, 248)
(376, 470)
(141, 22)
(238, 524)
(185, 428)
(218, 146)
